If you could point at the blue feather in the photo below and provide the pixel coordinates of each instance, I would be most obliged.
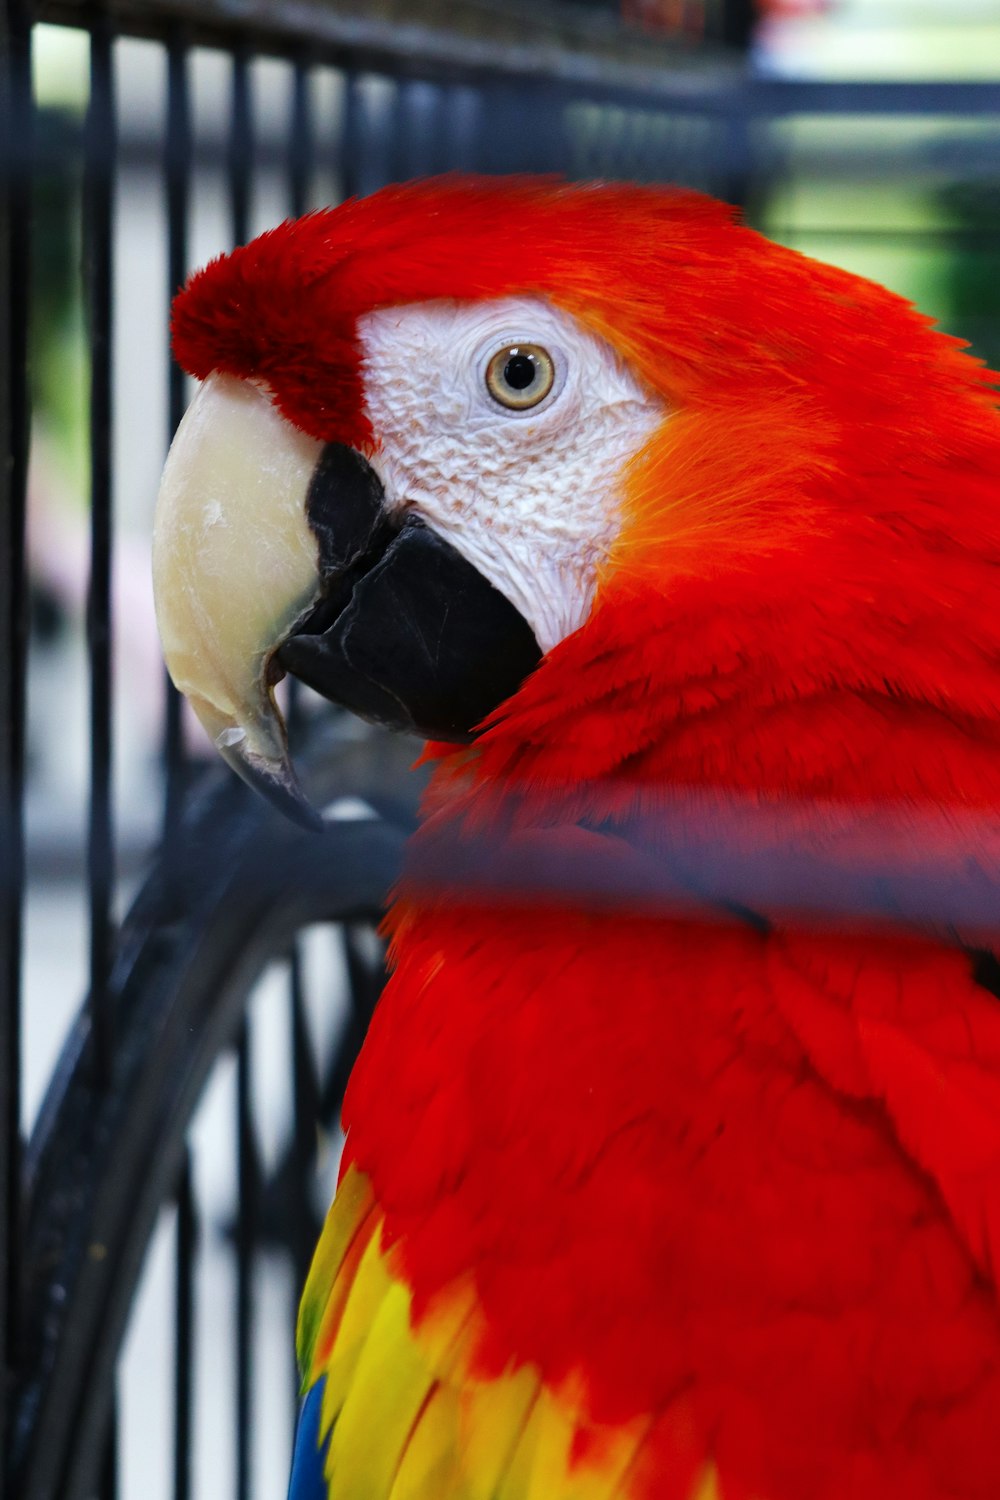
(307, 1481)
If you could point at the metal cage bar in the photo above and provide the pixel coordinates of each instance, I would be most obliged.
(108, 1480)
(306, 1111)
(184, 1392)
(246, 1233)
(301, 140)
(177, 174)
(16, 138)
(98, 197)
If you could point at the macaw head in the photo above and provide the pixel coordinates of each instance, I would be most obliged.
(488, 452)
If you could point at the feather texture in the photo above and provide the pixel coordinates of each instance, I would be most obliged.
(397, 1412)
(755, 1175)
(646, 1208)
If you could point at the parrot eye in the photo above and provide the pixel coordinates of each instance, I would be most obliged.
(519, 376)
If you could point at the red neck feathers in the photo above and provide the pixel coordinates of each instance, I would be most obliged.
(803, 598)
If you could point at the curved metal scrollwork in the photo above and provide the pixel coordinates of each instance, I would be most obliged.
(237, 886)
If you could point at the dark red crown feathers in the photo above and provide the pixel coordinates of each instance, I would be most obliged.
(284, 308)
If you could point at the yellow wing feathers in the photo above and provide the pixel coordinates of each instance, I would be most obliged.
(403, 1414)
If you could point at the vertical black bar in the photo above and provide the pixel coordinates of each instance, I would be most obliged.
(381, 125)
(349, 146)
(184, 1333)
(435, 157)
(301, 162)
(365, 980)
(348, 1046)
(16, 135)
(305, 1089)
(178, 194)
(305, 1121)
(305, 1115)
(108, 1480)
(737, 23)
(246, 1226)
(301, 141)
(739, 133)
(240, 148)
(392, 125)
(98, 203)
(240, 165)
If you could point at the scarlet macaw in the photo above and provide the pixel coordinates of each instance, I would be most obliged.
(605, 494)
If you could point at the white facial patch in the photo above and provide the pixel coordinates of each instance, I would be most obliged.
(531, 497)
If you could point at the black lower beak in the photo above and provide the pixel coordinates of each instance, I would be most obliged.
(407, 633)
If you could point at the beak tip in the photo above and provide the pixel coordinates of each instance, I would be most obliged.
(276, 780)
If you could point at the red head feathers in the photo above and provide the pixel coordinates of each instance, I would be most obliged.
(817, 517)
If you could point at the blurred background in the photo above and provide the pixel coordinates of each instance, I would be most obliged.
(862, 132)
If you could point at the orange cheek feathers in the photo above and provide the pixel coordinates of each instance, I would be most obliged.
(717, 487)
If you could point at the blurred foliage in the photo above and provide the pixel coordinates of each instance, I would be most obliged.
(971, 270)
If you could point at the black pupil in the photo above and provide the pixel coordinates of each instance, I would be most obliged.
(519, 372)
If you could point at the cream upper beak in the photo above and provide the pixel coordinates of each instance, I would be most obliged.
(235, 568)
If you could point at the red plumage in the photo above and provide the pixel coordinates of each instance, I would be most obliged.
(746, 1180)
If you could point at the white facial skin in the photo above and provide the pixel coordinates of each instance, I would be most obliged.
(532, 498)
